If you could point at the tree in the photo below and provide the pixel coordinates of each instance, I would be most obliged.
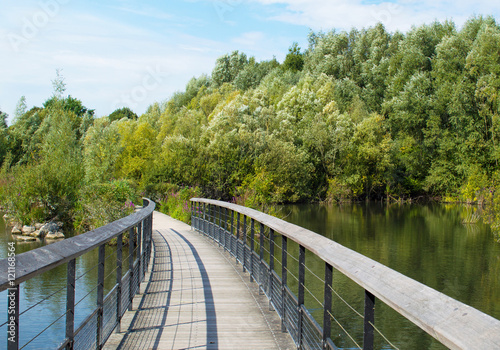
(294, 61)
(228, 67)
(120, 113)
(101, 149)
(4, 144)
(58, 84)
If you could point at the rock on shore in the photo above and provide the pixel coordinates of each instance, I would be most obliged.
(51, 231)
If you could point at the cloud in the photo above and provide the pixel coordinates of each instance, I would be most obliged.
(105, 62)
(249, 39)
(395, 15)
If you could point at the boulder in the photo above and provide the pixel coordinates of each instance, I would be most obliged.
(37, 234)
(38, 226)
(55, 235)
(51, 227)
(16, 230)
(25, 238)
(28, 229)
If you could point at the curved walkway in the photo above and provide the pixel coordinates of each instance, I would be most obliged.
(197, 297)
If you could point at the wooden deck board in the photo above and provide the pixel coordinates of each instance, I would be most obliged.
(196, 297)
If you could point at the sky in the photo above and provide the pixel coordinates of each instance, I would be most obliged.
(124, 53)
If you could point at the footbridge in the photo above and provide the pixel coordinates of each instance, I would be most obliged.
(235, 279)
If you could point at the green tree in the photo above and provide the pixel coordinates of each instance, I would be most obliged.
(121, 113)
(228, 67)
(101, 149)
(4, 137)
(294, 60)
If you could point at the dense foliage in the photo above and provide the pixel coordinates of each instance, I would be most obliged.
(358, 114)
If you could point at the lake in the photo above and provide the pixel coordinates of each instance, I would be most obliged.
(428, 243)
(52, 283)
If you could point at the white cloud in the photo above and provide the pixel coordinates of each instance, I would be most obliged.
(399, 15)
(250, 39)
(105, 57)
(105, 62)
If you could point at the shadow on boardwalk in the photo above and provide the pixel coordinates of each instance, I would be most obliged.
(196, 297)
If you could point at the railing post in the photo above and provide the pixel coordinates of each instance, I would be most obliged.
(213, 215)
(252, 248)
(232, 233)
(271, 268)
(119, 265)
(237, 235)
(224, 231)
(210, 220)
(144, 256)
(327, 321)
(150, 237)
(219, 230)
(204, 227)
(261, 257)
(13, 324)
(244, 240)
(302, 274)
(139, 255)
(284, 277)
(131, 267)
(194, 215)
(191, 206)
(369, 321)
(70, 304)
(100, 295)
(208, 208)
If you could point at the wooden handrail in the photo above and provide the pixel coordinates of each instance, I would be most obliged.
(454, 324)
(35, 262)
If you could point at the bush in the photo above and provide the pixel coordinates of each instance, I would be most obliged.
(102, 203)
(177, 204)
(338, 191)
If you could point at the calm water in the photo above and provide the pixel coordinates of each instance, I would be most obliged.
(428, 243)
(425, 242)
(51, 311)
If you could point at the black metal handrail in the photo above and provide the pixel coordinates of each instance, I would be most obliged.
(454, 324)
(98, 326)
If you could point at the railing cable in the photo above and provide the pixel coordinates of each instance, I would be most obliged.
(345, 331)
(383, 336)
(50, 325)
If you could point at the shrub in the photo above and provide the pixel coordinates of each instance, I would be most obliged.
(102, 203)
(177, 204)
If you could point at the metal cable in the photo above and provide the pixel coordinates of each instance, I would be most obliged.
(345, 331)
(291, 256)
(345, 302)
(86, 272)
(50, 325)
(41, 301)
(383, 336)
(291, 274)
(319, 302)
(312, 273)
(86, 295)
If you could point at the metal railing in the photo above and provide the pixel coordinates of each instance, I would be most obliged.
(96, 328)
(252, 237)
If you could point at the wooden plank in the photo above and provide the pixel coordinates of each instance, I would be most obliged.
(456, 325)
(196, 297)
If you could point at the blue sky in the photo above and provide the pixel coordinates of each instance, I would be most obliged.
(116, 53)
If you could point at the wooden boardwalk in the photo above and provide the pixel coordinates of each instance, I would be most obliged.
(197, 297)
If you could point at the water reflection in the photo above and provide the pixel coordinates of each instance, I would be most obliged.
(53, 283)
(428, 243)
